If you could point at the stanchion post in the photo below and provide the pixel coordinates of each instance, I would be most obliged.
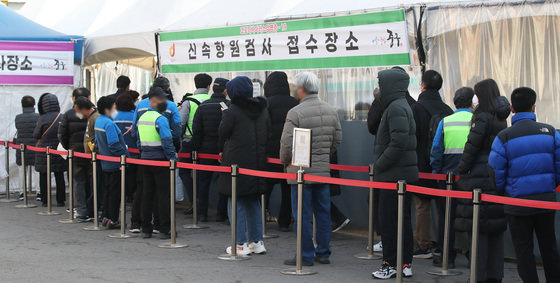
(477, 194)
(233, 221)
(194, 157)
(23, 180)
(49, 211)
(263, 219)
(70, 189)
(122, 234)
(95, 226)
(401, 191)
(7, 160)
(370, 254)
(173, 244)
(299, 233)
(444, 271)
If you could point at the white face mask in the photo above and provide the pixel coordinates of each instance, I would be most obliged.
(475, 101)
(79, 115)
(114, 114)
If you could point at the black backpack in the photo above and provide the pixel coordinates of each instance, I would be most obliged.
(189, 99)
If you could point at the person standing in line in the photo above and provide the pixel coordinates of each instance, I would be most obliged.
(71, 136)
(25, 124)
(448, 146)
(243, 135)
(45, 133)
(156, 143)
(488, 120)
(395, 159)
(525, 162)
(205, 140)
(277, 93)
(123, 85)
(326, 133)
(187, 113)
(110, 142)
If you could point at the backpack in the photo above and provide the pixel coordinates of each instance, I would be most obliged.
(436, 116)
(189, 99)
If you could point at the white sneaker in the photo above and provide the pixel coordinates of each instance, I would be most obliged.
(241, 250)
(377, 248)
(407, 270)
(385, 272)
(257, 248)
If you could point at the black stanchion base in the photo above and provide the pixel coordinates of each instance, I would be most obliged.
(296, 272)
(25, 206)
(233, 258)
(440, 272)
(366, 256)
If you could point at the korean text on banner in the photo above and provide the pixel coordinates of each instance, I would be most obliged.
(36, 63)
(361, 40)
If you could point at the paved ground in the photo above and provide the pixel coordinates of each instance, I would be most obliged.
(39, 249)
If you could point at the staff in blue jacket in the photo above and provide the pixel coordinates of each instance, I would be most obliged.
(110, 142)
(525, 159)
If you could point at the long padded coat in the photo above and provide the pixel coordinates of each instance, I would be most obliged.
(48, 112)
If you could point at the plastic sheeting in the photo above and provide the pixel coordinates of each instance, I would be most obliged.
(515, 43)
(106, 75)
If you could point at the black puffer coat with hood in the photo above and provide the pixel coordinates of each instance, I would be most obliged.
(243, 136)
(475, 172)
(49, 110)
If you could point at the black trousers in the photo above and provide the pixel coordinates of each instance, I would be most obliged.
(186, 174)
(285, 214)
(441, 203)
(112, 197)
(60, 187)
(222, 205)
(376, 212)
(155, 186)
(522, 229)
(388, 208)
(203, 181)
(100, 190)
(131, 181)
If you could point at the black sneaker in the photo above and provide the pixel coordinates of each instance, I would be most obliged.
(292, 262)
(384, 272)
(38, 197)
(165, 236)
(146, 235)
(188, 211)
(60, 204)
(84, 219)
(134, 228)
(322, 259)
(438, 261)
(20, 196)
(339, 225)
(203, 218)
(422, 254)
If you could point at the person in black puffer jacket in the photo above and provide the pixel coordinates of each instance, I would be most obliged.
(205, 140)
(71, 136)
(243, 135)
(488, 120)
(25, 124)
(277, 92)
(46, 133)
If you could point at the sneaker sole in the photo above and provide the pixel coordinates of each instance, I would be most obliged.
(423, 256)
(342, 225)
(380, 278)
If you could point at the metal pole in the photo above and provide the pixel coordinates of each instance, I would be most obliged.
(233, 220)
(122, 234)
(263, 219)
(95, 226)
(474, 245)
(7, 159)
(447, 227)
(49, 211)
(299, 233)
(173, 244)
(71, 189)
(401, 190)
(23, 181)
(30, 179)
(194, 157)
(370, 254)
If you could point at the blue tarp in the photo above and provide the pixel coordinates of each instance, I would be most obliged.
(15, 27)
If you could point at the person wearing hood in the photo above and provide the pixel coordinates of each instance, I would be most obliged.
(25, 124)
(243, 136)
(326, 133)
(277, 92)
(488, 120)
(45, 133)
(395, 159)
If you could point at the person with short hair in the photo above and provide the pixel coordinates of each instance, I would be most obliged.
(25, 123)
(71, 133)
(123, 84)
(448, 146)
(525, 161)
(110, 142)
(326, 133)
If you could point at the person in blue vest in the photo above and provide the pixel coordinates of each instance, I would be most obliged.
(525, 160)
(110, 142)
(447, 149)
(156, 143)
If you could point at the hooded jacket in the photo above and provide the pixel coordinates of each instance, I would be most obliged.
(525, 160)
(71, 134)
(243, 135)
(277, 92)
(395, 142)
(475, 173)
(48, 112)
(25, 124)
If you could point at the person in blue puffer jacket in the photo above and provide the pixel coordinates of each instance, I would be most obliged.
(110, 142)
(525, 160)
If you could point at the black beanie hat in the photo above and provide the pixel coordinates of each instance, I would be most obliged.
(276, 84)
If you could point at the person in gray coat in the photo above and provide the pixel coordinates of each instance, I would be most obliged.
(395, 159)
(326, 133)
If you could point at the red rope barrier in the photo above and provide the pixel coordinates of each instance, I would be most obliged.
(14, 146)
(349, 168)
(82, 155)
(109, 158)
(209, 156)
(184, 155)
(157, 163)
(37, 149)
(439, 193)
(522, 202)
(2, 143)
(274, 160)
(350, 182)
(266, 174)
(59, 152)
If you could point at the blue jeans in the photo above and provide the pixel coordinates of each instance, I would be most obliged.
(249, 225)
(316, 200)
